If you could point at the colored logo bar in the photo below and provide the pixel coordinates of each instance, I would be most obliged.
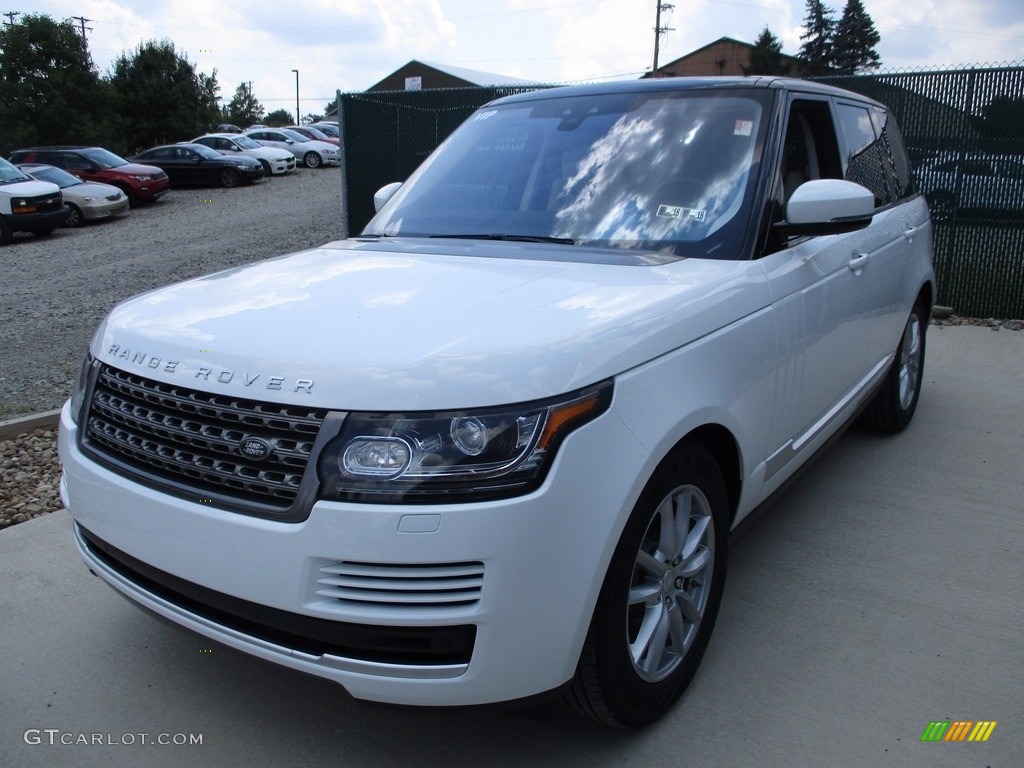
(958, 730)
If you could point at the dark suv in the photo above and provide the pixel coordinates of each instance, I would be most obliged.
(141, 183)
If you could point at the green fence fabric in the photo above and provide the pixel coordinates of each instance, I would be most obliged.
(964, 129)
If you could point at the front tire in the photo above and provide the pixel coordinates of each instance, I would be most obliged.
(660, 596)
(893, 406)
(229, 177)
(312, 160)
(75, 217)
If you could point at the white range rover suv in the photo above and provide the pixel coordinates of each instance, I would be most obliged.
(493, 447)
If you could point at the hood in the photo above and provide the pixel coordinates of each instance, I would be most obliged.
(31, 188)
(422, 324)
(138, 169)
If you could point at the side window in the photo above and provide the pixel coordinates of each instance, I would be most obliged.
(865, 157)
(810, 150)
(76, 162)
(902, 171)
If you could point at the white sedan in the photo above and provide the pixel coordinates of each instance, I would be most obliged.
(312, 153)
(86, 199)
(275, 161)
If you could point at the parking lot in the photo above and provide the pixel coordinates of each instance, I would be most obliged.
(880, 593)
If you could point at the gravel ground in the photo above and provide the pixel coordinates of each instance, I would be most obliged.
(55, 291)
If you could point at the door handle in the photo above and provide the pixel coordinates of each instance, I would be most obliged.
(858, 261)
(910, 232)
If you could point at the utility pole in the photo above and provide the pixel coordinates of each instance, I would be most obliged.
(11, 16)
(81, 23)
(659, 31)
(298, 117)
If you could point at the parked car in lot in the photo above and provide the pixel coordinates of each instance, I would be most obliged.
(196, 164)
(275, 161)
(493, 447)
(312, 132)
(140, 183)
(331, 129)
(973, 184)
(312, 153)
(27, 204)
(228, 128)
(86, 200)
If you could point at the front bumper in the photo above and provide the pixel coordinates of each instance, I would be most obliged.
(497, 609)
(38, 222)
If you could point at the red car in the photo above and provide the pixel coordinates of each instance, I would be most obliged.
(312, 132)
(141, 183)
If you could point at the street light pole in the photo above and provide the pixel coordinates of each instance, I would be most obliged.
(298, 117)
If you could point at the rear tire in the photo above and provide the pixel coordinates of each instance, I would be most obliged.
(660, 596)
(893, 406)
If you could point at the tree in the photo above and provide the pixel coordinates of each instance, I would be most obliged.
(766, 56)
(853, 47)
(309, 117)
(244, 109)
(161, 96)
(49, 88)
(815, 53)
(279, 117)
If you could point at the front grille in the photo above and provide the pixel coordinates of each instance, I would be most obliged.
(39, 203)
(187, 442)
(441, 585)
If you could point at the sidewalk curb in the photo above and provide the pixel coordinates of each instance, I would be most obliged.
(11, 429)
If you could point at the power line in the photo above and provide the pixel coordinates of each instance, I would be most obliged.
(81, 23)
(11, 16)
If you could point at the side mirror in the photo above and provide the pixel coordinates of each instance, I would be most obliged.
(289, 141)
(384, 194)
(828, 207)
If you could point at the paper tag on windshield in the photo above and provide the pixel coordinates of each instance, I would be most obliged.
(743, 128)
(679, 212)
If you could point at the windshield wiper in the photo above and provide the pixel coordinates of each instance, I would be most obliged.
(514, 238)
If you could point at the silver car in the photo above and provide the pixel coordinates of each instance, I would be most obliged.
(87, 200)
(312, 153)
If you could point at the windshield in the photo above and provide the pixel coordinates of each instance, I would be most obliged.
(295, 135)
(10, 173)
(62, 179)
(669, 171)
(246, 143)
(104, 158)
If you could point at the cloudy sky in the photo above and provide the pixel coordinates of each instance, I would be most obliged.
(352, 44)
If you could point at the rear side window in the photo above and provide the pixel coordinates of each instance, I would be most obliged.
(903, 173)
(864, 155)
(874, 153)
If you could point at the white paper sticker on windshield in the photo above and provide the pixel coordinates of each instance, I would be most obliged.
(679, 212)
(743, 128)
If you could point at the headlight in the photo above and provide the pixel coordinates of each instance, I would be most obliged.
(453, 456)
(81, 385)
(141, 177)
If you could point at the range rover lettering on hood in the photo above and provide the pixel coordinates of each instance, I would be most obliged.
(256, 380)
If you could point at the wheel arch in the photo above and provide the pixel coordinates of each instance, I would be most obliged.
(723, 447)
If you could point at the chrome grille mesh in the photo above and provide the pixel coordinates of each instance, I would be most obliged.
(188, 441)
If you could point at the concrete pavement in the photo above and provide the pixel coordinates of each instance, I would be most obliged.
(881, 592)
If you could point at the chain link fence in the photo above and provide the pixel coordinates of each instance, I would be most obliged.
(964, 129)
